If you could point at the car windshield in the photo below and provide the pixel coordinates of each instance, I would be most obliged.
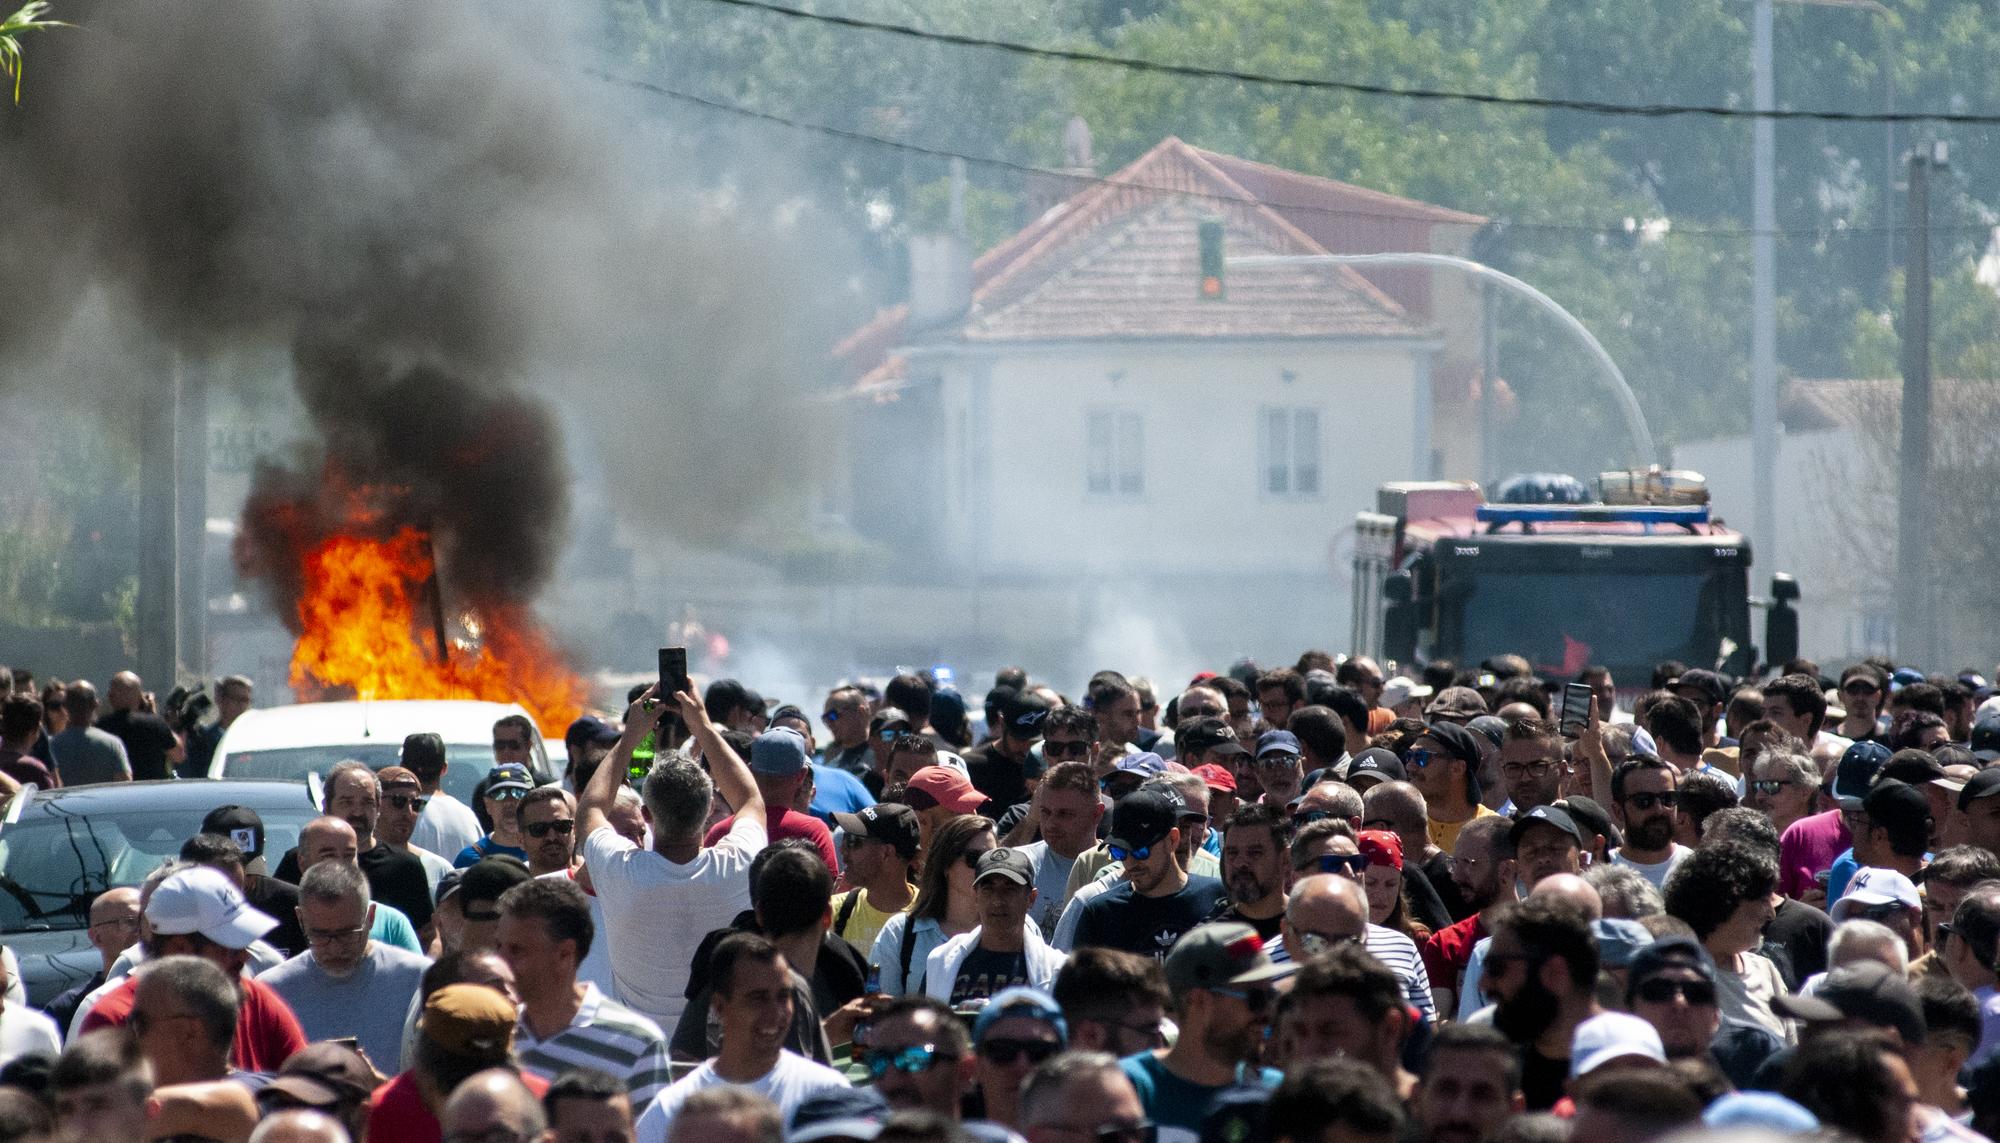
(1563, 621)
(466, 762)
(54, 863)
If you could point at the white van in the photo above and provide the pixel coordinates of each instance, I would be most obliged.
(308, 738)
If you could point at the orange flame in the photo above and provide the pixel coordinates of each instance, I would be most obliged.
(359, 633)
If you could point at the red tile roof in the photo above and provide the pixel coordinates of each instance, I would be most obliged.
(1118, 259)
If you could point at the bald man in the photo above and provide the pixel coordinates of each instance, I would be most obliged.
(150, 744)
(1327, 909)
(1562, 886)
(114, 927)
(494, 1104)
(300, 1125)
(330, 838)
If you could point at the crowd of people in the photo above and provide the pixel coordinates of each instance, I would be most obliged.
(1310, 904)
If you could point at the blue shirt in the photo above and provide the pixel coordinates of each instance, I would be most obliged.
(837, 791)
(1173, 1103)
(486, 847)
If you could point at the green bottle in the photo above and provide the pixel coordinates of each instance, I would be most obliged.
(642, 756)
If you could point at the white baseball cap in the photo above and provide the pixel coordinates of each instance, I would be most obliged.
(202, 900)
(1613, 1036)
(1402, 689)
(1872, 885)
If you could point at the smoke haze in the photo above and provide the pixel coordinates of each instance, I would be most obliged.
(424, 205)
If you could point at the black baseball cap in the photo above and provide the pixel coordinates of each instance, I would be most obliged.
(1985, 740)
(1713, 687)
(1858, 766)
(889, 822)
(1669, 952)
(1456, 740)
(1209, 736)
(1984, 784)
(1377, 763)
(240, 824)
(1005, 862)
(1143, 817)
(1546, 815)
(1897, 806)
(1868, 991)
(1592, 818)
(1913, 766)
(489, 877)
(1022, 714)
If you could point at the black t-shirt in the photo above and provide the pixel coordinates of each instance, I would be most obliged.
(280, 899)
(399, 879)
(984, 973)
(1800, 932)
(1426, 906)
(147, 739)
(996, 775)
(1120, 918)
(1437, 871)
(1267, 927)
(1542, 1079)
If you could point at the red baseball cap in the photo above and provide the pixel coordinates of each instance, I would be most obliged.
(1216, 777)
(949, 788)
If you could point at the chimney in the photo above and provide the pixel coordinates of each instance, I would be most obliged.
(941, 266)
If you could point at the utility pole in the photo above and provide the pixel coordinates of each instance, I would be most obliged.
(156, 611)
(1916, 632)
(1763, 296)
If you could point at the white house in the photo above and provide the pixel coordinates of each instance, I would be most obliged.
(1070, 421)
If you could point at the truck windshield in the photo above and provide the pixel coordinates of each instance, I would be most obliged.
(1564, 621)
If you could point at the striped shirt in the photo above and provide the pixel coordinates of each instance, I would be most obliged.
(604, 1035)
(1398, 954)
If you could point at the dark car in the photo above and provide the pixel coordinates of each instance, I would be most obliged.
(68, 845)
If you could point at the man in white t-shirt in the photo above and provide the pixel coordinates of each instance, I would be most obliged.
(753, 1001)
(659, 903)
(1645, 795)
(445, 825)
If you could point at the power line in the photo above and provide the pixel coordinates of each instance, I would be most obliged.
(1311, 83)
(993, 162)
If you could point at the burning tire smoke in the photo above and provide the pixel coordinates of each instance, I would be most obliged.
(424, 203)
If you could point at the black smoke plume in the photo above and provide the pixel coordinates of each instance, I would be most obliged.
(447, 226)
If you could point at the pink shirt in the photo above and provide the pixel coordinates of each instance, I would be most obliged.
(1808, 847)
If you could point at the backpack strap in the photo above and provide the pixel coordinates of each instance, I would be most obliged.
(846, 913)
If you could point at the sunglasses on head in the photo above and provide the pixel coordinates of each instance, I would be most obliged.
(1658, 990)
(913, 1060)
(1350, 864)
(562, 827)
(1004, 1052)
(1669, 800)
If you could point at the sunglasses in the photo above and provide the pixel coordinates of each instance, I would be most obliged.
(913, 1060)
(509, 744)
(1857, 687)
(1350, 864)
(406, 801)
(1878, 913)
(1005, 1052)
(1308, 817)
(1317, 943)
(1768, 786)
(1144, 1131)
(1670, 799)
(511, 794)
(830, 717)
(562, 826)
(1257, 1000)
(1419, 758)
(1065, 749)
(1120, 853)
(971, 857)
(1699, 993)
(890, 734)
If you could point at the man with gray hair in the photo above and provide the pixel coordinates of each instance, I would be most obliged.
(659, 903)
(345, 984)
(1081, 1095)
(184, 1018)
(1625, 892)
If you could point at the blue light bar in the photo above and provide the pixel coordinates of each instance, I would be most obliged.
(1679, 515)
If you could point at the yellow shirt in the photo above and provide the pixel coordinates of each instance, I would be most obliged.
(1444, 835)
(866, 921)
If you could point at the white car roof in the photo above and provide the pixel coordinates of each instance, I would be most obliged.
(349, 723)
